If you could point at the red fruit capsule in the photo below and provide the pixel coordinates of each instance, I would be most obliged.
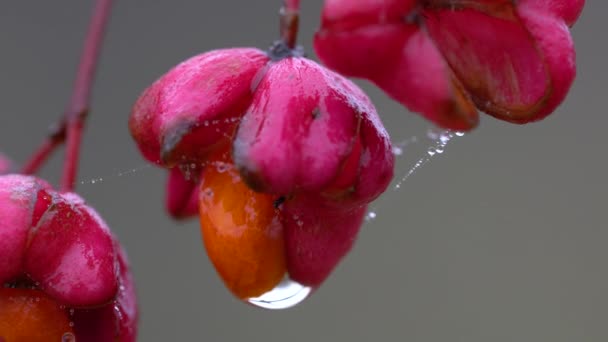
(514, 60)
(267, 136)
(57, 249)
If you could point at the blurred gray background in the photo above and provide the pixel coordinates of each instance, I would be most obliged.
(500, 238)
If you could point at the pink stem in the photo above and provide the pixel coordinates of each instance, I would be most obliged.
(290, 17)
(41, 155)
(78, 106)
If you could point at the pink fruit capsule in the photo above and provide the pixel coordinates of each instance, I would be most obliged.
(512, 60)
(54, 246)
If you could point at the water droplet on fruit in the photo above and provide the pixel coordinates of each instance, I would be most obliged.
(221, 167)
(286, 294)
(208, 193)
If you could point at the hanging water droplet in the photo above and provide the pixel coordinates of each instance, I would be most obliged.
(460, 134)
(285, 295)
(431, 152)
(439, 150)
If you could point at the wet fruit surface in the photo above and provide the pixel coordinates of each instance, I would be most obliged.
(241, 230)
(30, 315)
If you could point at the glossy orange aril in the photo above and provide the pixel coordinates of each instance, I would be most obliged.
(241, 230)
(30, 315)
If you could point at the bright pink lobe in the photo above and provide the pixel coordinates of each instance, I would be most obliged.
(377, 162)
(362, 52)
(125, 305)
(422, 81)
(17, 199)
(79, 267)
(496, 59)
(369, 168)
(555, 43)
(143, 123)
(44, 199)
(348, 173)
(348, 14)
(317, 237)
(506, 55)
(567, 10)
(116, 321)
(403, 61)
(195, 105)
(299, 130)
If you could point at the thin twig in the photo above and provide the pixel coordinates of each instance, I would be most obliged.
(78, 107)
(71, 125)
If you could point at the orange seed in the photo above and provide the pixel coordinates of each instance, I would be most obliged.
(241, 230)
(31, 315)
